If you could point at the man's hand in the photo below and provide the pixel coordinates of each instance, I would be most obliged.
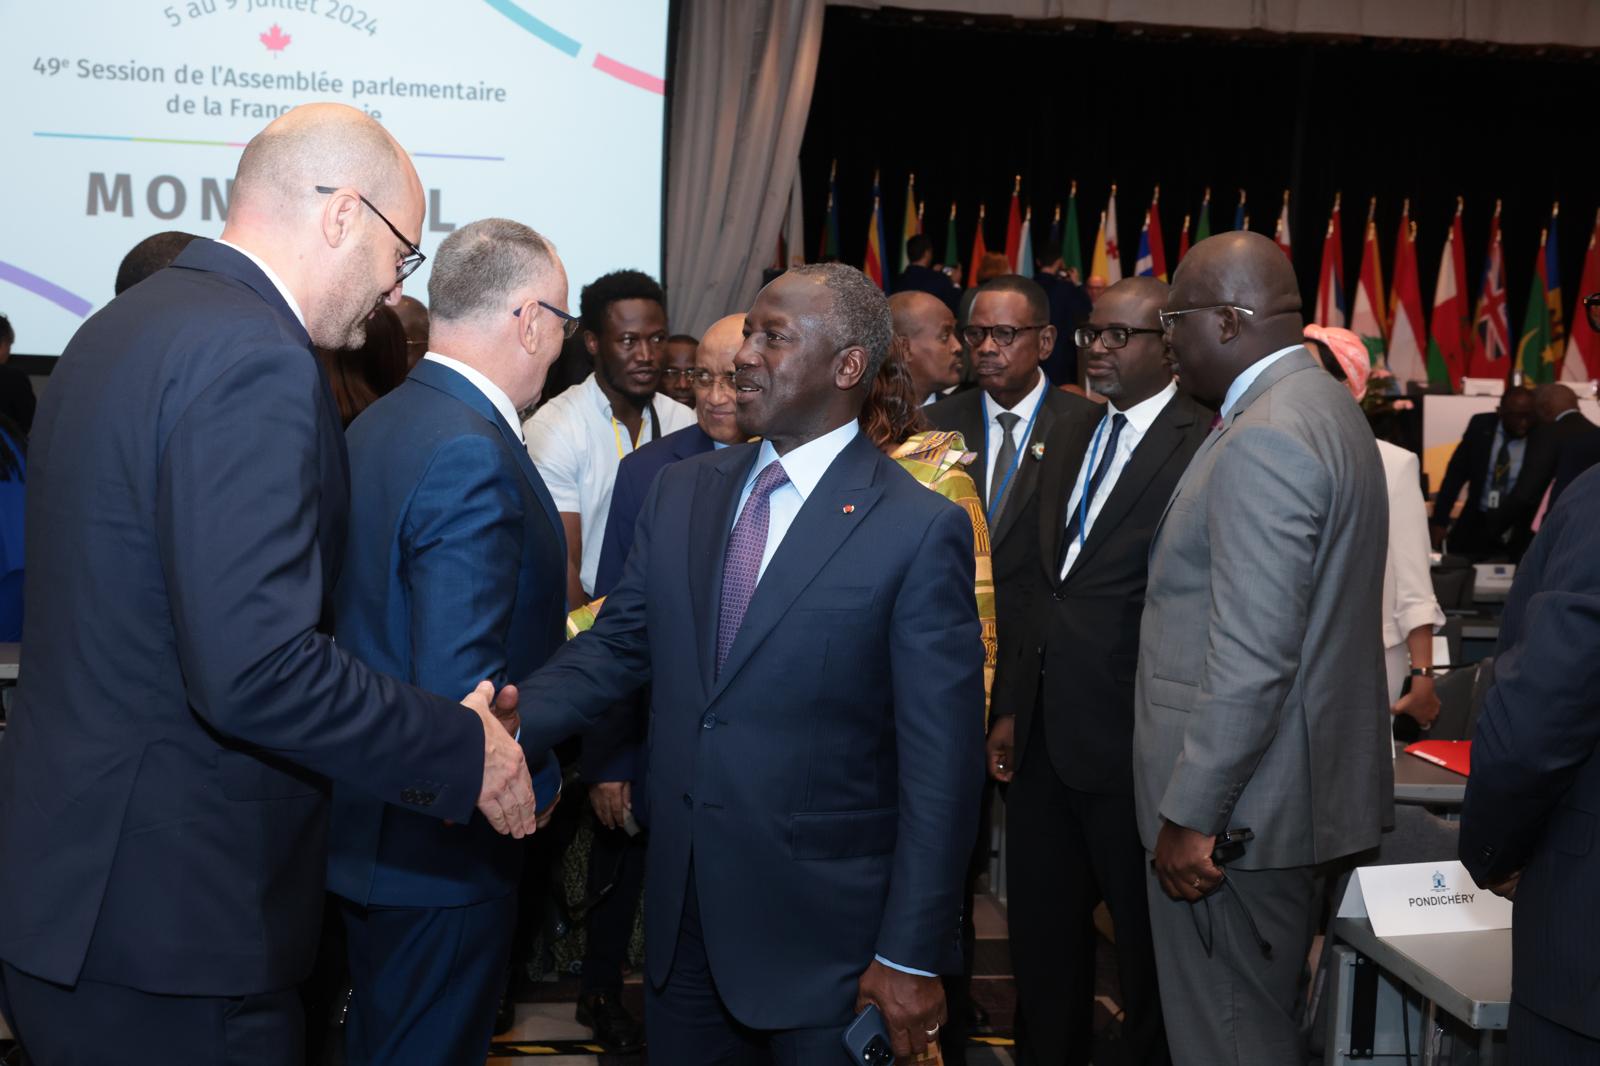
(1508, 887)
(1421, 703)
(506, 797)
(1183, 862)
(1436, 535)
(505, 709)
(550, 811)
(611, 800)
(1002, 735)
(912, 1006)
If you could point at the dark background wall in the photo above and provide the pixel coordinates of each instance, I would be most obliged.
(967, 104)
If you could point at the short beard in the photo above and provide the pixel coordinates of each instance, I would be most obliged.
(342, 326)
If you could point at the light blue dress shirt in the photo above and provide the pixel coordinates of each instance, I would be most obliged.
(805, 466)
(1248, 375)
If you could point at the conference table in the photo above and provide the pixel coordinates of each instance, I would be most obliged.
(1421, 782)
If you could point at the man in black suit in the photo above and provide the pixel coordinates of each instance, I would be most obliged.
(920, 275)
(1069, 305)
(1497, 452)
(803, 610)
(164, 777)
(1007, 418)
(1528, 821)
(1063, 697)
(1573, 441)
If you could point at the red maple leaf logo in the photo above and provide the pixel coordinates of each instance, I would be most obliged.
(276, 40)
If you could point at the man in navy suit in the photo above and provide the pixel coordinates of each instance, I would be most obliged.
(455, 568)
(612, 763)
(163, 781)
(803, 609)
(1528, 823)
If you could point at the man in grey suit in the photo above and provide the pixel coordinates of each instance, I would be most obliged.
(1260, 698)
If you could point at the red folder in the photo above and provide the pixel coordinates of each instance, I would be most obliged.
(1453, 755)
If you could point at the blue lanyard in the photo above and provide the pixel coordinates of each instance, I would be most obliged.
(1088, 480)
(988, 443)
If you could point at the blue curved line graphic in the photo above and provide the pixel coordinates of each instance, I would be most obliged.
(67, 301)
(542, 30)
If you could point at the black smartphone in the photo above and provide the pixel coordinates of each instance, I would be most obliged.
(867, 1040)
(1230, 845)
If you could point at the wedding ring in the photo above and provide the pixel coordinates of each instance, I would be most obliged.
(1197, 882)
(932, 1032)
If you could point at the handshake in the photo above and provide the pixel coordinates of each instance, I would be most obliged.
(506, 795)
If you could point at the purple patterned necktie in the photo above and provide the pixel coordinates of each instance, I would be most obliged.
(742, 566)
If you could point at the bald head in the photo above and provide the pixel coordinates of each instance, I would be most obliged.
(1238, 300)
(715, 407)
(1552, 400)
(720, 343)
(333, 205)
(933, 349)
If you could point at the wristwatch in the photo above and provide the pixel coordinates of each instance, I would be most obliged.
(1422, 671)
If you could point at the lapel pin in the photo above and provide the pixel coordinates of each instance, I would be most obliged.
(848, 508)
(1038, 450)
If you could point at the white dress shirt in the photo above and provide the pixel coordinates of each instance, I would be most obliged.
(1140, 418)
(1248, 375)
(576, 445)
(494, 393)
(272, 276)
(992, 430)
(805, 466)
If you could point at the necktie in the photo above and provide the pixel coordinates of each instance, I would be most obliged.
(1002, 462)
(742, 566)
(1500, 480)
(1101, 468)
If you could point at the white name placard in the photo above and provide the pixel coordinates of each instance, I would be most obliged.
(1422, 897)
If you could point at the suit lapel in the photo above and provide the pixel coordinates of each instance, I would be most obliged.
(819, 529)
(716, 495)
(1063, 458)
(1166, 433)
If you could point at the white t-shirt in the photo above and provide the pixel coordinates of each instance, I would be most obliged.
(576, 445)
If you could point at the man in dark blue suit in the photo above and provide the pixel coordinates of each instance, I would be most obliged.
(163, 780)
(803, 609)
(920, 275)
(455, 567)
(1528, 823)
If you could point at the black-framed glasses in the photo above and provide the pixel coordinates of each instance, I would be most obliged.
(413, 257)
(1167, 318)
(1112, 337)
(569, 323)
(703, 380)
(1003, 335)
(1591, 307)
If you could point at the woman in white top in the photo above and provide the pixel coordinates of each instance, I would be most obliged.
(1411, 614)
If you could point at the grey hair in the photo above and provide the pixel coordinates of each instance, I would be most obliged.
(860, 311)
(482, 265)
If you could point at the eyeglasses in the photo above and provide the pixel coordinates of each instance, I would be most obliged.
(1167, 318)
(413, 257)
(1591, 307)
(1003, 335)
(704, 380)
(1112, 337)
(569, 323)
(674, 373)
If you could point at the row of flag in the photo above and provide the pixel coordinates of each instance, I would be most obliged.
(1462, 339)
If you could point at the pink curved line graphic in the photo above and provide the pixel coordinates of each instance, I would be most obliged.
(632, 75)
(67, 301)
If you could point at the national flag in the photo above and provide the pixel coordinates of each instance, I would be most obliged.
(1152, 261)
(1491, 329)
(1556, 347)
(952, 246)
(1202, 228)
(1099, 263)
(1071, 243)
(979, 250)
(1330, 310)
(873, 267)
(1281, 234)
(1582, 362)
(1014, 228)
(913, 221)
(1534, 340)
(1183, 240)
(1025, 250)
(830, 229)
(1368, 319)
(1113, 250)
(1447, 337)
(1240, 219)
(1406, 343)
